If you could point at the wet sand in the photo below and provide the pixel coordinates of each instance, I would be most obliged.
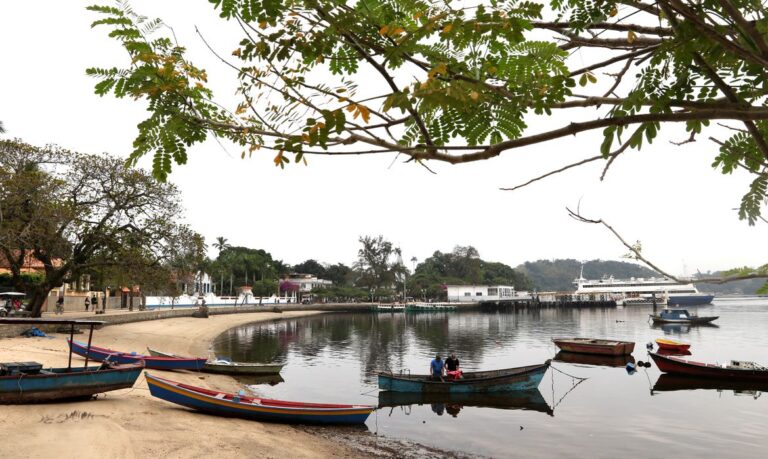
(131, 424)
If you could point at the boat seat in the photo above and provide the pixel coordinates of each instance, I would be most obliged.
(221, 396)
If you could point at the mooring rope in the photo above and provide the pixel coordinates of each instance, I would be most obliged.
(566, 374)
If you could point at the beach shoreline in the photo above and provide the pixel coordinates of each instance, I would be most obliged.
(130, 423)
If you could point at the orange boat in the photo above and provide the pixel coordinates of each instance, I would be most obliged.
(672, 345)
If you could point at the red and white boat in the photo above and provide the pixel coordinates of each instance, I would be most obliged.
(735, 370)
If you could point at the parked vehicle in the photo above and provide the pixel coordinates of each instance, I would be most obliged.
(11, 305)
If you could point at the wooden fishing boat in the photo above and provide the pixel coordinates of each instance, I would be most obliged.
(227, 367)
(157, 363)
(672, 345)
(680, 316)
(618, 361)
(735, 370)
(526, 400)
(595, 346)
(259, 409)
(509, 379)
(29, 382)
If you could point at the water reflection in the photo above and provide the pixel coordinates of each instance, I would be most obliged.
(331, 358)
(531, 400)
(680, 329)
(593, 359)
(670, 383)
(256, 380)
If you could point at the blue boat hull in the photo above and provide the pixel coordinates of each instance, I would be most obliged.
(170, 392)
(62, 384)
(690, 300)
(513, 379)
(156, 363)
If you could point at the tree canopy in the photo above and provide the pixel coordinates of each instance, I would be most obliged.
(462, 266)
(80, 214)
(447, 81)
(378, 265)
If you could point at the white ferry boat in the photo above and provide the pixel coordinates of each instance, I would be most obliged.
(675, 293)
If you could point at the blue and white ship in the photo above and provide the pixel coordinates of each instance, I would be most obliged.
(676, 293)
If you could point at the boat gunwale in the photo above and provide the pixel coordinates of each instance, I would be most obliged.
(110, 352)
(426, 379)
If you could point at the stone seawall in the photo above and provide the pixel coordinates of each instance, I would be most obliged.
(115, 317)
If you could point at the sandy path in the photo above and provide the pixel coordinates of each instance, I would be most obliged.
(131, 424)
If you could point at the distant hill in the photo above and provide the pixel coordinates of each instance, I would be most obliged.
(743, 287)
(558, 275)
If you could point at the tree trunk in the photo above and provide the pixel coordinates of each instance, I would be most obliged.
(53, 279)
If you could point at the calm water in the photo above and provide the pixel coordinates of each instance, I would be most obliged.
(329, 358)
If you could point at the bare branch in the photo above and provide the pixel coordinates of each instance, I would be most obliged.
(634, 250)
(559, 26)
(690, 139)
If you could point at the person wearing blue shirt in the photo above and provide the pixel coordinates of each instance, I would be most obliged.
(437, 368)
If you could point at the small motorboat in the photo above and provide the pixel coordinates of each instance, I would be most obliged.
(734, 370)
(259, 409)
(508, 379)
(672, 345)
(227, 367)
(595, 346)
(680, 316)
(99, 354)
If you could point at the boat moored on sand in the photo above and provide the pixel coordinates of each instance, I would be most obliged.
(100, 354)
(228, 367)
(30, 382)
(259, 409)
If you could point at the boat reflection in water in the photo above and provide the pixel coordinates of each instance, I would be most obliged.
(678, 329)
(255, 380)
(670, 383)
(529, 400)
(673, 352)
(593, 359)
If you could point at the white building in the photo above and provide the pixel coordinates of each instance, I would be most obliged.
(477, 293)
(308, 282)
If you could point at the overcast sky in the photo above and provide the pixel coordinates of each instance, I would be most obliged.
(668, 197)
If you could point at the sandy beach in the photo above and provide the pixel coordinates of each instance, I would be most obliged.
(131, 424)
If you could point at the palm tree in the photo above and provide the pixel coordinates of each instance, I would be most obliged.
(413, 261)
(221, 244)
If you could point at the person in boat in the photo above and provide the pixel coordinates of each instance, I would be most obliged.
(452, 369)
(437, 368)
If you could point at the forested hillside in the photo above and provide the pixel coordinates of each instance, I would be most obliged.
(558, 275)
